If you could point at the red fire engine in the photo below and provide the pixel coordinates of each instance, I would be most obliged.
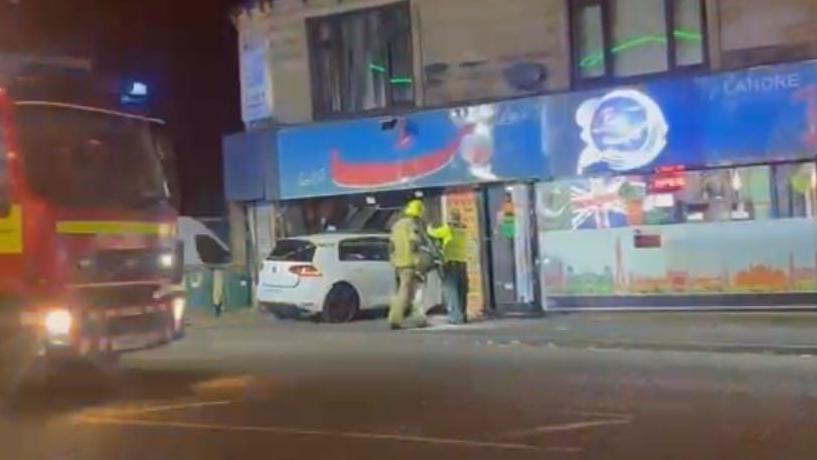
(88, 249)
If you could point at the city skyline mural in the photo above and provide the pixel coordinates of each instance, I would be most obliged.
(596, 240)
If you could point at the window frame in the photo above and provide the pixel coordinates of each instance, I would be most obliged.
(608, 77)
(312, 24)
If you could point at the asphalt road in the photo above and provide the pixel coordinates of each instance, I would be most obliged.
(306, 391)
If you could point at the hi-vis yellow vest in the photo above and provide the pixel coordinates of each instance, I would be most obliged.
(455, 242)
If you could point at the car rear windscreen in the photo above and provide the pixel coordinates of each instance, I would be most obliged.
(293, 251)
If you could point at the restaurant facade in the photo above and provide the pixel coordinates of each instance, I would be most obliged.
(685, 192)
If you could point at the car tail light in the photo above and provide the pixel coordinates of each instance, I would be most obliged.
(306, 271)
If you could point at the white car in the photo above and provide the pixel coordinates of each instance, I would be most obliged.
(335, 275)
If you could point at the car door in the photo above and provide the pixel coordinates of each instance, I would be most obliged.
(365, 262)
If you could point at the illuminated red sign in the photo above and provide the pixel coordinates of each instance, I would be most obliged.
(670, 169)
(668, 179)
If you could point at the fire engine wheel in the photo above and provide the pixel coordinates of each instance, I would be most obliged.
(341, 305)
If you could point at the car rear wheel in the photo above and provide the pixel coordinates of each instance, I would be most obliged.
(341, 304)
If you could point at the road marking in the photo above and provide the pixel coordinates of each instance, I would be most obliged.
(565, 449)
(113, 411)
(305, 432)
(573, 426)
(592, 413)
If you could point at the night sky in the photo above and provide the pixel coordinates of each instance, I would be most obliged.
(185, 50)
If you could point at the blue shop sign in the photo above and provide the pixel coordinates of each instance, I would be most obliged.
(476, 144)
(764, 114)
(759, 115)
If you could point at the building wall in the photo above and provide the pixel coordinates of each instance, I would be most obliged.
(754, 32)
(282, 28)
(468, 50)
(463, 49)
(238, 234)
(470, 46)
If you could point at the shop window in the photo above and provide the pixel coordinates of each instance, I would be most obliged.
(362, 61)
(641, 25)
(618, 39)
(364, 249)
(688, 32)
(381, 220)
(585, 204)
(589, 41)
(718, 195)
(796, 190)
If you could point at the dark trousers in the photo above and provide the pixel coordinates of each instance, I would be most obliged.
(455, 291)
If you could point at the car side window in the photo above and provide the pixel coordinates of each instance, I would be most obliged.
(364, 249)
(380, 249)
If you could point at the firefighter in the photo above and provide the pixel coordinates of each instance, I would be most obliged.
(454, 238)
(411, 261)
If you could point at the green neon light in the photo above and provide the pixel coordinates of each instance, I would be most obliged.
(690, 35)
(401, 81)
(393, 80)
(597, 58)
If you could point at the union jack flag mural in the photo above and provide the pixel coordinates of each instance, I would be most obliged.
(600, 203)
(591, 203)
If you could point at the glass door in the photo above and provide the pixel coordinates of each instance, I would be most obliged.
(510, 246)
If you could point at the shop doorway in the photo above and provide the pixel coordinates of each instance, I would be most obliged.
(469, 203)
(509, 244)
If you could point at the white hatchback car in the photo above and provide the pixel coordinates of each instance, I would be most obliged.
(335, 275)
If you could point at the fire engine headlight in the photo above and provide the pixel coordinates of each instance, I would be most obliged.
(58, 322)
(166, 260)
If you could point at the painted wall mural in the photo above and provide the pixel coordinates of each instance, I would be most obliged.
(719, 231)
(718, 258)
(591, 203)
(762, 114)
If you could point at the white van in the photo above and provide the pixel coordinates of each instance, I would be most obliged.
(194, 236)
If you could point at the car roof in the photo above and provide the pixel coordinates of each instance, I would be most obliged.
(335, 237)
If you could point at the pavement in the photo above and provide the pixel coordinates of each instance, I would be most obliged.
(248, 387)
(792, 332)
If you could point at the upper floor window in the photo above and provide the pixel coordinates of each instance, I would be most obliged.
(361, 61)
(617, 39)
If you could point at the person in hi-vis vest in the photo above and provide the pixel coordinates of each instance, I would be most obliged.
(454, 238)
